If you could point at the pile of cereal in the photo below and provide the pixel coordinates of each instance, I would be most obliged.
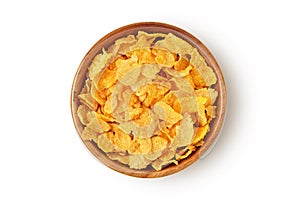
(148, 100)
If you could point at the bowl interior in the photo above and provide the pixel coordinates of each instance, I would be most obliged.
(150, 27)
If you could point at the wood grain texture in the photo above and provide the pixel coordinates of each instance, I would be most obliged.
(151, 27)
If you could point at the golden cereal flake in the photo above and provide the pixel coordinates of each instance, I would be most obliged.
(181, 64)
(206, 73)
(98, 63)
(164, 57)
(122, 140)
(143, 56)
(211, 111)
(197, 78)
(197, 60)
(105, 79)
(141, 128)
(153, 155)
(142, 81)
(208, 76)
(200, 133)
(123, 45)
(199, 144)
(134, 113)
(128, 127)
(87, 87)
(89, 134)
(182, 84)
(105, 117)
(158, 143)
(150, 70)
(180, 73)
(159, 164)
(110, 105)
(128, 70)
(175, 44)
(130, 39)
(82, 113)
(88, 100)
(170, 98)
(95, 94)
(124, 159)
(126, 94)
(155, 92)
(189, 79)
(188, 104)
(184, 132)
(144, 146)
(185, 152)
(201, 111)
(166, 113)
(164, 131)
(169, 154)
(209, 93)
(105, 144)
(98, 125)
(138, 161)
(145, 118)
(143, 42)
(150, 35)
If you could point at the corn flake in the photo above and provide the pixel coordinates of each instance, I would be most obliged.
(181, 73)
(166, 113)
(159, 164)
(153, 155)
(130, 39)
(124, 159)
(188, 104)
(150, 35)
(98, 125)
(95, 94)
(200, 133)
(211, 112)
(150, 70)
(144, 146)
(98, 63)
(138, 161)
(143, 42)
(209, 93)
(122, 140)
(197, 78)
(122, 45)
(128, 71)
(185, 152)
(105, 144)
(184, 132)
(82, 113)
(105, 79)
(183, 85)
(158, 143)
(88, 100)
(164, 57)
(181, 64)
(206, 73)
(175, 44)
(89, 134)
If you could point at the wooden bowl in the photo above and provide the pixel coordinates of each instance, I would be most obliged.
(151, 27)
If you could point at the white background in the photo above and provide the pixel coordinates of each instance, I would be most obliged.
(257, 46)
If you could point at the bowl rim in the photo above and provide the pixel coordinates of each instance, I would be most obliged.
(215, 128)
